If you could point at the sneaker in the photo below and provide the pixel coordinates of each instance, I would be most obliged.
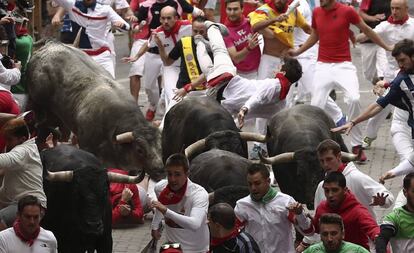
(254, 153)
(366, 142)
(149, 116)
(223, 29)
(341, 122)
(358, 150)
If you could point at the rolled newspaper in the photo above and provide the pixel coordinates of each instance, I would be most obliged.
(292, 6)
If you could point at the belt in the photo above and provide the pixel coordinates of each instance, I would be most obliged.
(154, 50)
(98, 51)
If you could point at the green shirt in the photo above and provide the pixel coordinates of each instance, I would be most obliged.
(402, 223)
(346, 247)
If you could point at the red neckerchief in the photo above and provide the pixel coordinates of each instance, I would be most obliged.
(174, 31)
(215, 241)
(29, 240)
(271, 3)
(342, 167)
(229, 23)
(398, 22)
(169, 197)
(284, 85)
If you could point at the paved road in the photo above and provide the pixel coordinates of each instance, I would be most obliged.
(381, 157)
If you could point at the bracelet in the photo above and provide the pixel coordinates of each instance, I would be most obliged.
(188, 87)
(353, 122)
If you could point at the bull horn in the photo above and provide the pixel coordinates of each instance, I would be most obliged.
(60, 176)
(77, 38)
(125, 179)
(126, 137)
(195, 147)
(348, 157)
(281, 158)
(211, 198)
(249, 136)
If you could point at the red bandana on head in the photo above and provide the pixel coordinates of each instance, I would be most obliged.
(29, 240)
(169, 197)
(398, 22)
(284, 85)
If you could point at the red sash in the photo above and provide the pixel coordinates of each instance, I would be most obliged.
(398, 22)
(30, 239)
(169, 197)
(284, 85)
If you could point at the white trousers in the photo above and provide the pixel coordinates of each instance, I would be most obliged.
(302, 90)
(343, 76)
(153, 69)
(375, 122)
(170, 78)
(106, 61)
(401, 134)
(222, 62)
(374, 61)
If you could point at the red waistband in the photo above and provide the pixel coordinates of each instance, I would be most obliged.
(97, 51)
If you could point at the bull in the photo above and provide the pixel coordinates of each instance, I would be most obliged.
(78, 211)
(218, 150)
(195, 120)
(293, 136)
(66, 87)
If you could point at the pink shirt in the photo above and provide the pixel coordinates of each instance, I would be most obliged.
(238, 37)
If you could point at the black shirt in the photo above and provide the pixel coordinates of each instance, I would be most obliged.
(176, 53)
(156, 11)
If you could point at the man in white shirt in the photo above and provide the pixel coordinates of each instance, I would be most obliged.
(26, 235)
(184, 206)
(93, 19)
(367, 191)
(21, 168)
(269, 215)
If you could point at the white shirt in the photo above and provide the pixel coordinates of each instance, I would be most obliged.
(8, 77)
(362, 186)
(190, 214)
(269, 224)
(391, 34)
(44, 243)
(261, 97)
(94, 21)
(170, 41)
(23, 174)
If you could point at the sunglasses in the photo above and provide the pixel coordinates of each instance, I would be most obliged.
(171, 246)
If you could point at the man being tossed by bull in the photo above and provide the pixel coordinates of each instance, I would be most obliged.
(262, 98)
(184, 206)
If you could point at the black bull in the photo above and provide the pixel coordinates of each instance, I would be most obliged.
(78, 212)
(299, 130)
(66, 87)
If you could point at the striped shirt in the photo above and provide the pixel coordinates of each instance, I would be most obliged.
(401, 95)
(242, 243)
